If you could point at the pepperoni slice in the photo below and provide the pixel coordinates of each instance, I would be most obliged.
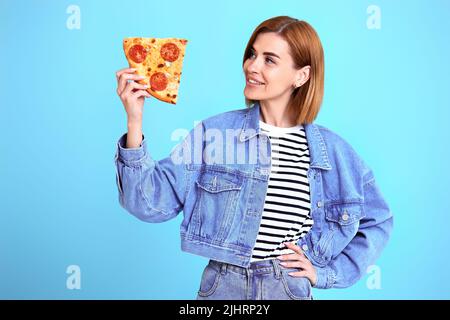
(137, 53)
(170, 52)
(158, 81)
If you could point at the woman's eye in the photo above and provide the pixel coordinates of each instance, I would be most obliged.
(267, 59)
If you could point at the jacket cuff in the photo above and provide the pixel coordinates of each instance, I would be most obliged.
(325, 278)
(130, 154)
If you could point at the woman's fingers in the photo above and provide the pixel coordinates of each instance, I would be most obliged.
(121, 71)
(289, 256)
(293, 258)
(299, 274)
(296, 264)
(119, 74)
(131, 93)
(123, 80)
(132, 87)
(140, 93)
(299, 261)
(310, 274)
(293, 247)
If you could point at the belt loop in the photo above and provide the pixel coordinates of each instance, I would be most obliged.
(223, 268)
(276, 268)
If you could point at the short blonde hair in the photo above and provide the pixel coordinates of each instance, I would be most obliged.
(305, 49)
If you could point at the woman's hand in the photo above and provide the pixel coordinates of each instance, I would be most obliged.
(298, 260)
(131, 93)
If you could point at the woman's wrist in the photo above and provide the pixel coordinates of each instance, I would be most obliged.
(134, 122)
(134, 135)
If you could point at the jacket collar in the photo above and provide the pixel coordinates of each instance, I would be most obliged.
(317, 148)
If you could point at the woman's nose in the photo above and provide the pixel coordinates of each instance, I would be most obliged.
(254, 66)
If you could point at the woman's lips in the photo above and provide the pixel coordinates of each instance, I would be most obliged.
(254, 84)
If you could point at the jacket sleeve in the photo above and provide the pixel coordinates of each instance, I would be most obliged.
(153, 191)
(362, 251)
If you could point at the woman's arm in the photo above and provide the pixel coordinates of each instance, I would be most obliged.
(154, 191)
(373, 234)
(134, 136)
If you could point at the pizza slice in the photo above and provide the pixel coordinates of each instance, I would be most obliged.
(160, 61)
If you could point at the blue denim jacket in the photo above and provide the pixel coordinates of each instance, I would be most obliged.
(222, 197)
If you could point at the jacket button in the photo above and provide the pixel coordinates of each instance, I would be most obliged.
(305, 247)
(319, 204)
(345, 216)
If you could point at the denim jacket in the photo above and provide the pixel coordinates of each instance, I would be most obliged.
(218, 176)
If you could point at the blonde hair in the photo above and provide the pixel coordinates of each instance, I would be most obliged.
(305, 49)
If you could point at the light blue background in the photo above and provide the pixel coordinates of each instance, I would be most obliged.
(386, 93)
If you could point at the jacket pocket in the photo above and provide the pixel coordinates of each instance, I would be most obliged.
(215, 207)
(343, 220)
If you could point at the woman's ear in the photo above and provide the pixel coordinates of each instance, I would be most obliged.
(302, 76)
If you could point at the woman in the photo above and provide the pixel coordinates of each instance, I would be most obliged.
(301, 210)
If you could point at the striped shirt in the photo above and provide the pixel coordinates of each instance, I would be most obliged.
(286, 215)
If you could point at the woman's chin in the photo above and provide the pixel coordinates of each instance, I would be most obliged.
(251, 96)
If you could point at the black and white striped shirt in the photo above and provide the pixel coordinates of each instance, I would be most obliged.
(286, 215)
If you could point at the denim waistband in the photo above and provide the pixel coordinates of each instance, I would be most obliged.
(257, 267)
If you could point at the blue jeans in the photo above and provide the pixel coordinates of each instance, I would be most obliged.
(262, 280)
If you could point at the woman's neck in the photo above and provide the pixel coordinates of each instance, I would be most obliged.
(277, 116)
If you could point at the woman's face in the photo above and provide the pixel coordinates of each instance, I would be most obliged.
(271, 63)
